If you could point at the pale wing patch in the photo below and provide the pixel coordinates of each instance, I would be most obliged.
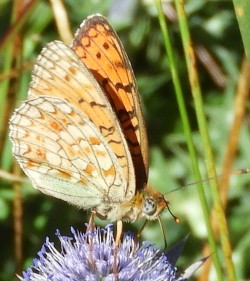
(65, 155)
(60, 73)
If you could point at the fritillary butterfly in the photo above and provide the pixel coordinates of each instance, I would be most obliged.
(80, 135)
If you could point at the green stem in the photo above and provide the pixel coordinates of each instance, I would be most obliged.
(202, 124)
(186, 124)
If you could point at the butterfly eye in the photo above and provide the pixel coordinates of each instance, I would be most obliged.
(149, 206)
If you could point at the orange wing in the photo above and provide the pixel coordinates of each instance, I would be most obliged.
(98, 46)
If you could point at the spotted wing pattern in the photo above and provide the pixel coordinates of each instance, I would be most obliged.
(100, 49)
(66, 136)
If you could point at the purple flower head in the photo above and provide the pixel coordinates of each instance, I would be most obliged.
(90, 256)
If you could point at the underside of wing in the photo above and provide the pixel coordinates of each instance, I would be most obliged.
(60, 73)
(65, 155)
(98, 46)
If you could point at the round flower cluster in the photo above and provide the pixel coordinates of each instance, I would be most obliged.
(91, 256)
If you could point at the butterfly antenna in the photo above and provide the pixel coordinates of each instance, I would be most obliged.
(176, 219)
(233, 172)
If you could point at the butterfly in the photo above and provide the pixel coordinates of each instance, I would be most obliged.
(80, 136)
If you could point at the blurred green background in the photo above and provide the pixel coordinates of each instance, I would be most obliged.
(220, 52)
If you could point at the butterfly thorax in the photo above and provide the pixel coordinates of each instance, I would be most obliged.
(147, 203)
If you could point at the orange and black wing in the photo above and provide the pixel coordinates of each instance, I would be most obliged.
(100, 49)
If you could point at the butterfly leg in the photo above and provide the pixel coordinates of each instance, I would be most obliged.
(163, 233)
(90, 229)
(91, 224)
(119, 229)
(138, 234)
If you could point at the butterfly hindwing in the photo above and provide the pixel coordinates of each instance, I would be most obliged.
(64, 154)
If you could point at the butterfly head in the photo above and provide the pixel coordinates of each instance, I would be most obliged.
(153, 203)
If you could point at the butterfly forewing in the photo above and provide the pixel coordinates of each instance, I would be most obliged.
(98, 46)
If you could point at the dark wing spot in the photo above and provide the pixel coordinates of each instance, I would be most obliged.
(106, 131)
(127, 88)
(106, 46)
(125, 116)
(93, 103)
